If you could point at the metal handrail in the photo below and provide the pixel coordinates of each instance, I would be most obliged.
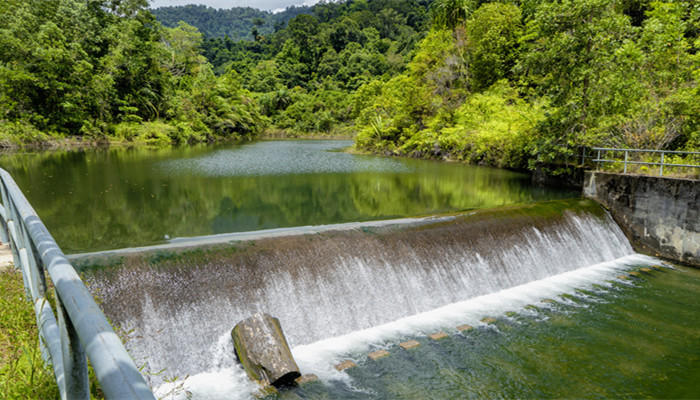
(78, 330)
(603, 150)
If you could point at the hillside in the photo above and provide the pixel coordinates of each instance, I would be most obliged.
(236, 23)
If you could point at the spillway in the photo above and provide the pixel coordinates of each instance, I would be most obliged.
(178, 307)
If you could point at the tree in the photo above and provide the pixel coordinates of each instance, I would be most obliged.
(571, 59)
(447, 14)
(494, 31)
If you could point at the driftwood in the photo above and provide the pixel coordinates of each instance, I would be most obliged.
(263, 351)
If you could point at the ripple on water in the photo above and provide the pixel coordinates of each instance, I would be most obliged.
(255, 160)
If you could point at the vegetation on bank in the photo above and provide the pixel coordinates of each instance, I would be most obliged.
(22, 372)
(106, 69)
(504, 84)
(488, 82)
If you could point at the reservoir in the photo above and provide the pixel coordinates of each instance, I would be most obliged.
(124, 197)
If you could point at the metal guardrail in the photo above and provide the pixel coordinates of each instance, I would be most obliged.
(78, 331)
(602, 151)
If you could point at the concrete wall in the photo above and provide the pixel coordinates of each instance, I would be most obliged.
(661, 216)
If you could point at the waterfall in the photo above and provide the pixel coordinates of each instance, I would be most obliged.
(177, 309)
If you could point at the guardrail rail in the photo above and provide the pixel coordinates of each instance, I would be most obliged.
(624, 158)
(77, 330)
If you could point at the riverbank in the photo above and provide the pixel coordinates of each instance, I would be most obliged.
(50, 143)
(41, 141)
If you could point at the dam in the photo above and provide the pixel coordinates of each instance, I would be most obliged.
(342, 292)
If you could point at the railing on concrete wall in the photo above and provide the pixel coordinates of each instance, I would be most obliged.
(623, 156)
(78, 330)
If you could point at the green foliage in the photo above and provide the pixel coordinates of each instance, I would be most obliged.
(589, 72)
(93, 69)
(495, 127)
(236, 23)
(503, 85)
(14, 134)
(22, 372)
(493, 32)
(448, 14)
(329, 54)
(611, 83)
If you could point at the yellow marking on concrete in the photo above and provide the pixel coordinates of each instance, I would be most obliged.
(345, 365)
(409, 345)
(464, 327)
(437, 335)
(375, 355)
(306, 379)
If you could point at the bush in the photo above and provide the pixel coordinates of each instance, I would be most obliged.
(20, 133)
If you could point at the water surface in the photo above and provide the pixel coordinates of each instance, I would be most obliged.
(114, 198)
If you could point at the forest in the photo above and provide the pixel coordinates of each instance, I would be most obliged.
(486, 82)
(236, 23)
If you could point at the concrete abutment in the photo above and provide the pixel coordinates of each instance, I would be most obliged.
(660, 216)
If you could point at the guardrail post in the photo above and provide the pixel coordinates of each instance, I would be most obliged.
(625, 170)
(661, 166)
(75, 369)
(597, 165)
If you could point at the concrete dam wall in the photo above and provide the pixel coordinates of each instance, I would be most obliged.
(660, 216)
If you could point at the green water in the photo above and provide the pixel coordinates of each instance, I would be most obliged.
(115, 198)
(633, 340)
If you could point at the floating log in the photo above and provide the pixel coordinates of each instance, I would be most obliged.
(263, 351)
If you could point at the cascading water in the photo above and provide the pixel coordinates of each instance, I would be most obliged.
(179, 310)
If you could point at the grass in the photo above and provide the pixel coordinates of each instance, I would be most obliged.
(22, 371)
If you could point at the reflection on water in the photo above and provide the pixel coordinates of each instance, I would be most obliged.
(115, 198)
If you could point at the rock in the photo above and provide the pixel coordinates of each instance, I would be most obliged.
(263, 351)
(488, 320)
